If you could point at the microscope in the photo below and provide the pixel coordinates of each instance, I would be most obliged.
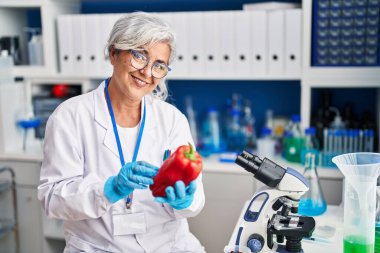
(270, 217)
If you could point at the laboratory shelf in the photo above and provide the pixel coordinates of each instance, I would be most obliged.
(33, 71)
(342, 77)
(20, 3)
(6, 226)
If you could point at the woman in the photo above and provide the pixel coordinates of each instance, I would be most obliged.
(102, 150)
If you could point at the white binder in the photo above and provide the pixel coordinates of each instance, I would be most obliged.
(167, 17)
(77, 22)
(181, 63)
(196, 46)
(259, 43)
(293, 41)
(65, 41)
(92, 49)
(227, 43)
(211, 34)
(243, 43)
(105, 26)
(276, 42)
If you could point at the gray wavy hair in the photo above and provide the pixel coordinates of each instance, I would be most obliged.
(137, 29)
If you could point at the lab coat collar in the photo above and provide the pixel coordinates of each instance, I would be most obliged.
(102, 117)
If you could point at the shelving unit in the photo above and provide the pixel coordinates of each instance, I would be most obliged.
(329, 77)
(13, 13)
(7, 224)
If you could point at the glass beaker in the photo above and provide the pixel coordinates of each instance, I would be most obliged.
(361, 171)
(313, 202)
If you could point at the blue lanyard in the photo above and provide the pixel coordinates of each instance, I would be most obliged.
(139, 136)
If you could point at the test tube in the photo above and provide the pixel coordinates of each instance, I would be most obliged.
(365, 140)
(330, 140)
(360, 148)
(325, 134)
(345, 140)
(350, 140)
(340, 141)
(356, 140)
(370, 142)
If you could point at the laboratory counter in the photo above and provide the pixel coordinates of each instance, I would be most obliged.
(217, 177)
(212, 164)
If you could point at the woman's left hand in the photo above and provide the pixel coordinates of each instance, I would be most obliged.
(181, 197)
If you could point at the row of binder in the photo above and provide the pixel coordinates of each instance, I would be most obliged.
(346, 33)
(209, 44)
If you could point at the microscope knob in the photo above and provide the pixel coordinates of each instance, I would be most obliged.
(255, 243)
(277, 205)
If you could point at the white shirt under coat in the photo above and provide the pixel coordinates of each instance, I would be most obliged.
(80, 154)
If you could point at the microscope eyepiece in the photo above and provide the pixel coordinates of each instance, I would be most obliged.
(264, 170)
(247, 161)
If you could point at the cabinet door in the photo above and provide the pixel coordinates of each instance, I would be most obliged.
(29, 220)
(226, 195)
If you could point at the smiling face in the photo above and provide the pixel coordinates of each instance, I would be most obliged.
(131, 82)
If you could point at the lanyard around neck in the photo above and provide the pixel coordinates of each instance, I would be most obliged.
(139, 136)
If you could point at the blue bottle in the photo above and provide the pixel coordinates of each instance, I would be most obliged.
(211, 133)
(236, 139)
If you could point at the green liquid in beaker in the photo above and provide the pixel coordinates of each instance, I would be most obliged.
(377, 240)
(353, 244)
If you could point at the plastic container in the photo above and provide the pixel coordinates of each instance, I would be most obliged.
(211, 133)
(35, 46)
(35, 50)
(266, 144)
(6, 64)
(361, 171)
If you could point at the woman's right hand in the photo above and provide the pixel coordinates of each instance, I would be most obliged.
(135, 175)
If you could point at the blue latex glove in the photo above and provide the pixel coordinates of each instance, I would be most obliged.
(181, 197)
(136, 175)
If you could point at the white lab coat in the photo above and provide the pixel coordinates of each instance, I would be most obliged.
(80, 154)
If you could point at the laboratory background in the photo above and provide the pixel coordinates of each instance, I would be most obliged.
(297, 82)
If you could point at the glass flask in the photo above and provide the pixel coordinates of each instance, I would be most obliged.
(313, 202)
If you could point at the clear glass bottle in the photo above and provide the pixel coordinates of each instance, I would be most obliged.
(311, 145)
(313, 202)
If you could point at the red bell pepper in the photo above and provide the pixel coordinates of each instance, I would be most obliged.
(184, 164)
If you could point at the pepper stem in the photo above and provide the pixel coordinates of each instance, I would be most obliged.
(190, 154)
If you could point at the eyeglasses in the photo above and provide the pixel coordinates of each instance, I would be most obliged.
(140, 61)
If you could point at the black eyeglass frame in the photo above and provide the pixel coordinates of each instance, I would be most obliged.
(135, 52)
